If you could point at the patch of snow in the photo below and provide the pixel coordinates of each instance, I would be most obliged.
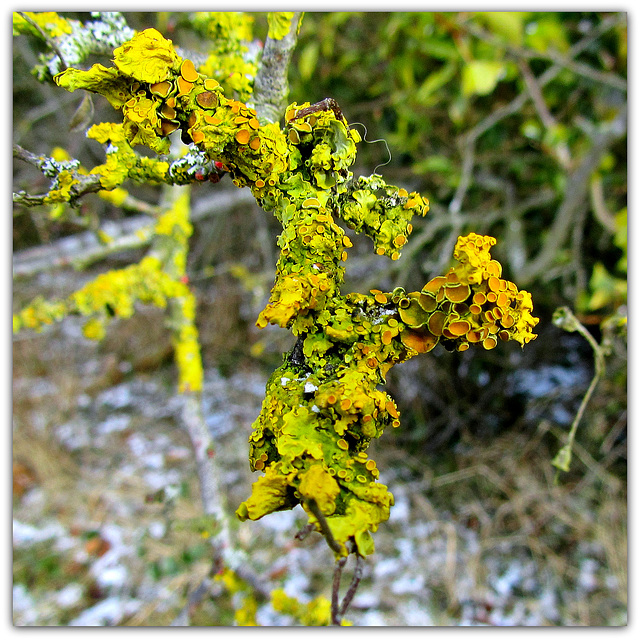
(415, 614)
(75, 434)
(69, 596)
(366, 600)
(371, 619)
(114, 422)
(401, 509)
(157, 529)
(385, 567)
(23, 604)
(116, 397)
(25, 535)
(108, 612)
(408, 584)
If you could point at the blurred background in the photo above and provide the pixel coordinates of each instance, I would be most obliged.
(512, 124)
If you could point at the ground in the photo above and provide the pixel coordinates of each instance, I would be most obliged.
(107, 526)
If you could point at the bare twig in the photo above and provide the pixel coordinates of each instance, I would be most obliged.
(324, 527)
(353, 587)
(271, 86)
(338, 609)
(561, 150)
(564, 318)
(50, 42)
(599, 206)
(575, 194)
(304, 532)
(335, 590)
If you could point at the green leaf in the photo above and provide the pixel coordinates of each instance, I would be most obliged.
(308, 60)
(441, 49)
(481, 76)
(435, 81)
(562, 460)
(606, 288)
(547, 33)
(507, 24)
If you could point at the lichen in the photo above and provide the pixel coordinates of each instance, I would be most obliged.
(323, 406)
(316, 612)
(279, 23)
(50, 22)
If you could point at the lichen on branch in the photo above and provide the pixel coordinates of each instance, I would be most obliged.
(323, 405)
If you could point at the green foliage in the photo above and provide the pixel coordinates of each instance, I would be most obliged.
(438, 82)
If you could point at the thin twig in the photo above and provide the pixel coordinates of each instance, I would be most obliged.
(324, 527)
(305, 531)
(335, 598)
(562, 150)
(564, 318)
(46, 38)
(353, 587)
(599, 206)
(338, 609)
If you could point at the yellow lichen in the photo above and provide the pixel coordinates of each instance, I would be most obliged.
(147, 57)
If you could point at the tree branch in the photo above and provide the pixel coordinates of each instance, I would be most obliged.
(50, 42)
(575, 193)
(82, 183)
(131, 233)
(271, 87)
